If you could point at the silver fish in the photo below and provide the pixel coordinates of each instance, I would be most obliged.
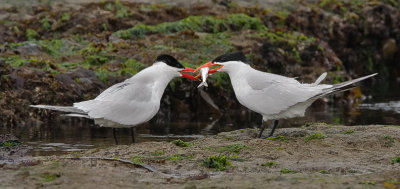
(204, 74)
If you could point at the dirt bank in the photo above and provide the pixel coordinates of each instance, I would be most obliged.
(59, 53)
(316, 156)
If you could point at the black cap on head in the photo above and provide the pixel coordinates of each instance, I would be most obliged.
(169, 60)
(235, 56)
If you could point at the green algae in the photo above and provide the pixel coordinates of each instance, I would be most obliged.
(209, 24)
(389, 140)
(120, 10)
(268, 164)
(181, 143)
(286, 171)
(96, 57)
(45, 23)
(157, 153)
(61, 47)
(66, 16)
(48, 177)
(178, 157)
(56, 48)
(136, 160)
(130, 67)
(31, 34)
(348, 132)
(290, 37)
(220, 162)
(10, 143)
(280, 138)
(103, 74)
(314, 136)
(15, 61)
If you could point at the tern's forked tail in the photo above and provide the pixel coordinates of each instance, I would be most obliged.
(342, 86)
(320, 78)
(69, 109)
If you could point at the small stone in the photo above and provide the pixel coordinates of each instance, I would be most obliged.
(389, 48)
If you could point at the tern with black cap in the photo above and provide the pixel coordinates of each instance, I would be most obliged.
(273, 96)
(131, 102)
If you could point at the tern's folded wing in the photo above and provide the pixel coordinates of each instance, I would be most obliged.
(273, 94)
(124, 103)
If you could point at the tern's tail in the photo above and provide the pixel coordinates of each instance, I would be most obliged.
(320, 78)
(69, 109)
(342, 86)
(203, 84)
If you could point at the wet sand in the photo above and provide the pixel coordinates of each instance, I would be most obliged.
(334, 157)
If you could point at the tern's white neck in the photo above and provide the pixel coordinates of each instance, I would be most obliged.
(157, 76)
(237, 71)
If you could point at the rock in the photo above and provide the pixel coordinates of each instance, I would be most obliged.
(30, 49)
(18, 81)
(389, 48)
(65, 79)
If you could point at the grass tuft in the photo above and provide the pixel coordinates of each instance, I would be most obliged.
(268, 164)
(181, 143)
(137, 160)
(368, 182)
(235, 148)
(389, 141)
(177, 157)
(396, 160)
(281, 138)
(157, 153)
(31, 34)
(10, 143)
(314, 136)
(286, 171)
(323, 171)
(48, 177)
(220, 162)
(348, 132)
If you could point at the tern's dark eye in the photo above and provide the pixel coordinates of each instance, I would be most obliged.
(169, 60)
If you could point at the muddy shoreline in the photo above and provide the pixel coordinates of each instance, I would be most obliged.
(315, 156)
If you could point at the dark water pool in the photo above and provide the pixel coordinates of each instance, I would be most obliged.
(65, 134)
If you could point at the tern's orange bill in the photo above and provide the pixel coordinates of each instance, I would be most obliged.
(188, 76)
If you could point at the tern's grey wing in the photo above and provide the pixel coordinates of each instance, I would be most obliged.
(271, 94)
(261, 80)
(126, 103)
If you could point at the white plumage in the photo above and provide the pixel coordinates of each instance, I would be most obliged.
(268, 94)
(271, 95)
(131, 102)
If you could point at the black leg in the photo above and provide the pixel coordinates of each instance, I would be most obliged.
(274, 124)
(115, 135)
(261, 128)
(133, 134)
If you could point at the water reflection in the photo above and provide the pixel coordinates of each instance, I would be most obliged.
(65, 134)
(385, 106)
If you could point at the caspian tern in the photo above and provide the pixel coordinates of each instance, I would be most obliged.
(131, 102)
(273, 96)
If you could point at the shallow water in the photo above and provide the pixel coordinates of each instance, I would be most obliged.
(66, 134)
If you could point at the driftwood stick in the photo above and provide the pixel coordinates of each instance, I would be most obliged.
(145, 166)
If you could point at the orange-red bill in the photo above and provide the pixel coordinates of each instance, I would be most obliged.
(188, 76)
